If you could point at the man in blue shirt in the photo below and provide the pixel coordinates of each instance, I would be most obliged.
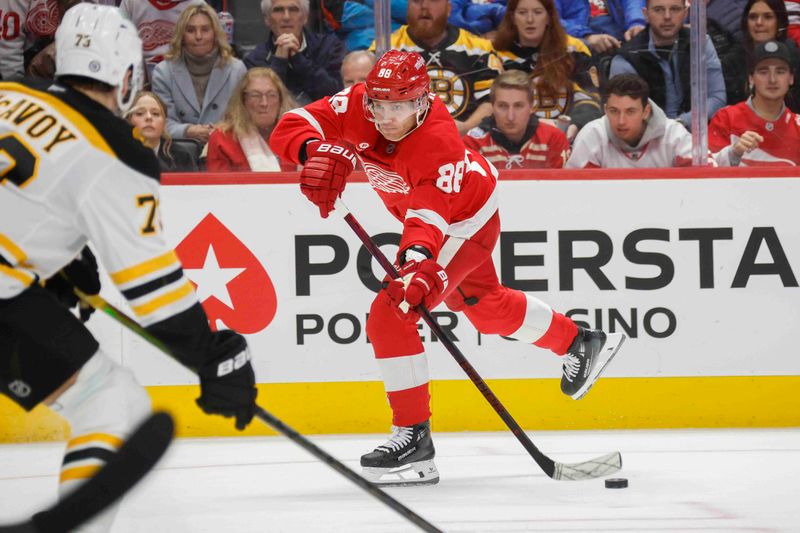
(603, 24)
(660, 55)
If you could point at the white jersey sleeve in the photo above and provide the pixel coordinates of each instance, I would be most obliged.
(121, 217)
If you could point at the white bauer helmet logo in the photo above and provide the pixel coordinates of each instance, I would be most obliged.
(97, 42)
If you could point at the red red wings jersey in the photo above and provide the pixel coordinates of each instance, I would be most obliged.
(547, 147)
(428, 180)
(781, 145)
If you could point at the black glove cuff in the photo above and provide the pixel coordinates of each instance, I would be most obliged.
(303, 155)
(414, 248)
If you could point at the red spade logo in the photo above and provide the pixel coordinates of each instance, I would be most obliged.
(231, 283)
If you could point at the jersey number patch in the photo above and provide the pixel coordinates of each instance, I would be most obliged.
(18, 163)
(450, 176)
(148, 200)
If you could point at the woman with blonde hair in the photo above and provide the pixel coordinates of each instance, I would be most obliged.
(198, 75)
(531, 38)
(149, 116)
(241, 140)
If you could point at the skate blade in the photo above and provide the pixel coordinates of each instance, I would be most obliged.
(419, 473)
(610, 349)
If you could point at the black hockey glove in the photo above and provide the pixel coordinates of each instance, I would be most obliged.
(81, 273)
(227, 381)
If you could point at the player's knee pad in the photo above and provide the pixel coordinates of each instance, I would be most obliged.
(102, 407)
(389, 334)
(500, 311)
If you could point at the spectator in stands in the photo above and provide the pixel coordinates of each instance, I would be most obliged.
(761, 131)
(149, 115)
(660, 55)
(309, 63)
(513, 137)
(727, 14)
(793, 12)
(461, 65)
(603, 24)
(241, 141)
(730, 52)
(767, 20)
(27, 28)
(764, 20)
(356, 65)
(354, 20)
(198, 76)
(634, 133)
(565, 80)
(155, 22)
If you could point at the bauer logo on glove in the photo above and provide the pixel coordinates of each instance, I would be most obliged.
(325, 172)
(333, 149)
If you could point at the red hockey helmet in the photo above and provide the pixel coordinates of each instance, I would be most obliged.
(398, 75)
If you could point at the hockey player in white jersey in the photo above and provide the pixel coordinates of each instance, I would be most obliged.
(71, 172)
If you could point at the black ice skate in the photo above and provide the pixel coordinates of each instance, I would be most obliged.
(586, 358)
(405, 459)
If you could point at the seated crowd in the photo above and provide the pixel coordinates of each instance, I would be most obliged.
(530, 83)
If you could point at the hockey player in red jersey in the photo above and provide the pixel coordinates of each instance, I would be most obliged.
(445, 196)
(762, 130)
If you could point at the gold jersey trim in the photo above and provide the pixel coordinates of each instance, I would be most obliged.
(147, 267)
(15, 251)
(74, 117)
(164, 300)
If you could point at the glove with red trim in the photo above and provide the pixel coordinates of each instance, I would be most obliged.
(324, 175)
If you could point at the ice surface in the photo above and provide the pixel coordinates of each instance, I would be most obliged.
(680, 480)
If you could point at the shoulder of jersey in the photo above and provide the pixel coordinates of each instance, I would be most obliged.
(439, 131)
(507, 56)
(548, 130)
(116, 132)
(401, 40)
(575, 45)
(473, 43)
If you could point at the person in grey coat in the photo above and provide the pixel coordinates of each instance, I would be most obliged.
(198, 76)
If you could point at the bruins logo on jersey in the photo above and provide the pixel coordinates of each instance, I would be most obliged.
(462, 67)
(453, 90)
(549, 107)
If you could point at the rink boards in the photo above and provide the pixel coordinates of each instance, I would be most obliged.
(701, 274)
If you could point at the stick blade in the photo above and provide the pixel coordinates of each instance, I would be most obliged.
(592, 469)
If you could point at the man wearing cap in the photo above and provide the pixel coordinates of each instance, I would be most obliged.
(761, 130)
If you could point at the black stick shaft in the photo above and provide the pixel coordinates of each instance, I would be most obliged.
(544, 462)
(100, 303)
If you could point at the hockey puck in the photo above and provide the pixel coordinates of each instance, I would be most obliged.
(617, 483)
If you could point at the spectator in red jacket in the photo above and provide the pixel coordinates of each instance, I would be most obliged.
(241, 141)
(512, 136)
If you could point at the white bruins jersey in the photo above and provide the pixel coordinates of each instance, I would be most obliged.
(72, 172)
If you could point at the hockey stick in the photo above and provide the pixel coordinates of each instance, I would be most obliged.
(126, 467)
(594, 468)
(99, 303)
